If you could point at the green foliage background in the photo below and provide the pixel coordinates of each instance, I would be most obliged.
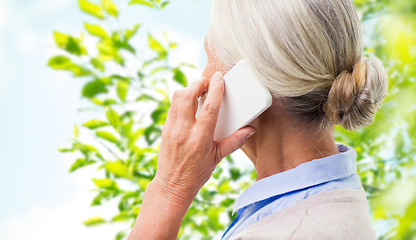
(134, 108)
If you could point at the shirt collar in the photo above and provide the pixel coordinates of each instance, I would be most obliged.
(305, 175)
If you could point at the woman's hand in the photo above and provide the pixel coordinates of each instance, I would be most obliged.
(188, 153)
(187, 157)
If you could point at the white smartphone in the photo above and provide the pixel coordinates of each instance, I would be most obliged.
(245, 98)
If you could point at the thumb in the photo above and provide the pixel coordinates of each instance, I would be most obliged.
(233, 142)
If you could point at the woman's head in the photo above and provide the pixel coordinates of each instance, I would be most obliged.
(308, 53)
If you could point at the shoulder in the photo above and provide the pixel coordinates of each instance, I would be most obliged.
(335, 214)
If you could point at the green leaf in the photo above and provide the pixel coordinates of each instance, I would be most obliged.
(407, 228)
(96, 30)
(146, 97)
(129, 33)
(109, 51)
(159, 116)
(70, 44)
(118, 169)
(179, 77)
(79, 163)
(156, 46)
(158, 69)
(123, 217)
(105, 183)
(227, 202)
(142, 2)
(235, 173)
(113, 118)
(91, 8)
(93, 221)
(119, 43)
(97, 64)
(121, 235)
(65, 150)
(164, 4)
(173, 45)
(106, 80)
(95, 123)
(102, 195)
(143, 182)
(127, 200)
(106, 102)
(59, 62)
(64, 63)
(125, 129)
(148, 63)
(122, 89)
(85, 149)
(224, 187)
(188, 65)
(214, 218)
(110, 7)
(394, 198)
(134, 137)
(125, 45)
(76, 132)
(93, 88)
(152, 133)
(107, 136)
(92, 152)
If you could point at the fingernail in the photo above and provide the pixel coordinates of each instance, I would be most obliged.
(217, 76)
(249, 135)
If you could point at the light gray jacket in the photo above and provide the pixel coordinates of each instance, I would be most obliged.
(335, 214)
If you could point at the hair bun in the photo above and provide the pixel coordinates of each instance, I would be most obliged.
(355, 97)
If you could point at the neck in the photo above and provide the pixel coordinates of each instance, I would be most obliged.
(279, 144)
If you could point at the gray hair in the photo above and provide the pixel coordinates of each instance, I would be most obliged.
(308, 53)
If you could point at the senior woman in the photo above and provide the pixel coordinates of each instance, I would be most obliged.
(308, 53)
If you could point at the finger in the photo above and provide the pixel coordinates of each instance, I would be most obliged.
(197, 88)
(172, 114)
(185, 101)
(228, 145)
(189, 99)
(207, 118)
(203, 96)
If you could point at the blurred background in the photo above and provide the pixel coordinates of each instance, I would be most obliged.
(84, 90)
